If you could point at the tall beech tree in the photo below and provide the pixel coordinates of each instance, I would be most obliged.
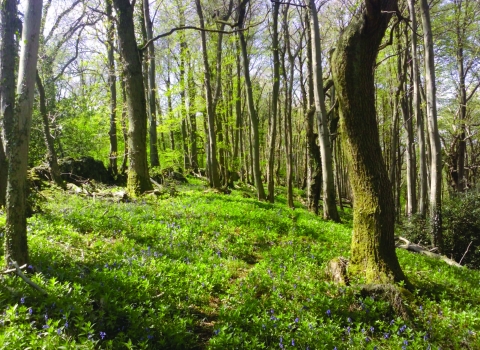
(373, 247)
(434, 137)
(275, 95)
(254, 121)
(152, 91)
(422, 161)
(17, 127)
(328, 186)
(138, 178)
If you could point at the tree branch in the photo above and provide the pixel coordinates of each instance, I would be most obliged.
(26, 279)
(173, 30)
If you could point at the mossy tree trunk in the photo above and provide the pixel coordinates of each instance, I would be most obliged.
(18, 134)
(8, 51)
(138, 177)
(373, 248)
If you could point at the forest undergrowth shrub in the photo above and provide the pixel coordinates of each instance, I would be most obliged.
(461, 227)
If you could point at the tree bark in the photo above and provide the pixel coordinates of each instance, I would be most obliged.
(255, 144)
(138, 178)
(422, 185)
(435, 148)
(328, 186)
(8, 51)
(275, 93)
(112, 84)
(3, 173)
(373, 246)
(212, 144)
(314, 167)
(152, 113)
(18, 136)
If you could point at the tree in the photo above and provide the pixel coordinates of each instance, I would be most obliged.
(138, 177)
(152, 113)
(242, 9)
(275, 93)
(17, 127)
(212, 144)
(422, 190)
(373, 248)
(112, 84)
(328, 186)
(435, 148)
(8, 54)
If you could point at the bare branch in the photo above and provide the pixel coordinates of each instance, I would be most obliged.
(173, 30)
(26, 279)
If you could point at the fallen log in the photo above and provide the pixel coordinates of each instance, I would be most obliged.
(412, 247)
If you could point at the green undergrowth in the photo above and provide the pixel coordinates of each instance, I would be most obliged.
(202, 270)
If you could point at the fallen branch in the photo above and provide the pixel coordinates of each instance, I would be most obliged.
(26, 279)
(421, 250)
(465, 252)
(6, 272)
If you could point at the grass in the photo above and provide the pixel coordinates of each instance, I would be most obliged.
(202, 270)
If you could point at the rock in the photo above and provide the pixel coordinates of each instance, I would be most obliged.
(85, 168)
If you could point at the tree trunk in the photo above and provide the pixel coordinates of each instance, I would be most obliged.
(18, 130)
(255, 144)
(373, 247)
(112, 84)
(152, 113)
(463, 115)
(212, 144)
(49, 141)
(3, 173)
(275, 93)
(329, 206)
(193, 118)
(124, 166)
(435, 148)
(8, 51)
(314, 168)
(138, 177)
(422, 190)
(410, 146)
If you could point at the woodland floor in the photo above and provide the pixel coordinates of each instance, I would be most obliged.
(195, 269)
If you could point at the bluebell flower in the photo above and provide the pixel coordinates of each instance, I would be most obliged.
(30, 310)
(328, 312)
(59, 331)
(293, 342)
(102, 335)
(296, 320)
(372, 329)
(22, 300)
(386, 335)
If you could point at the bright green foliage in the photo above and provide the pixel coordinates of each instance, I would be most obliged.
(207, 270)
